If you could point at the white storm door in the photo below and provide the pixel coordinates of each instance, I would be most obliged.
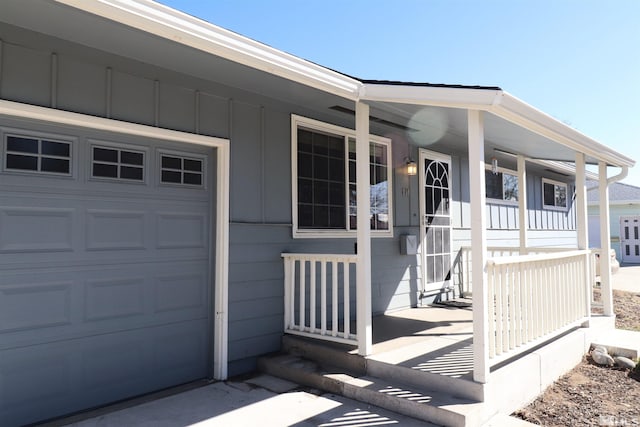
(630, 239)
(435, 214)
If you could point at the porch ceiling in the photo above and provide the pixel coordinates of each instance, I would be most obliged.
(445, 129)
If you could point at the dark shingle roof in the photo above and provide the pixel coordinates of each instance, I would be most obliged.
(424, 84)
(618, 192)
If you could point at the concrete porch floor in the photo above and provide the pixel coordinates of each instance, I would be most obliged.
(431, 339)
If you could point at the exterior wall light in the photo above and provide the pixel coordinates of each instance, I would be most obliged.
(494, 166)
(412, 167)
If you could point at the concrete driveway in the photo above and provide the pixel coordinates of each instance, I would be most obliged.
(244, 404)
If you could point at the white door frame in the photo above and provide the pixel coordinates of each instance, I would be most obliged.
(633, 241)
(12, 109)
(444, 158)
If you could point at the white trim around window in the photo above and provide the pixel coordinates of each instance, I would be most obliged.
(37, 153)
(503, 201)
(108, 162)
(341, 227)
(559, 188)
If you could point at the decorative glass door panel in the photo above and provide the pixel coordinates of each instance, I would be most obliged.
(435, 178)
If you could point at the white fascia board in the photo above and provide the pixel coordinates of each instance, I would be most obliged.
(562, 167)
(473, 99)
(516, 111)
(171, 24)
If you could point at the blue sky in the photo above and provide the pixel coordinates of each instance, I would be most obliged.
(577, 60)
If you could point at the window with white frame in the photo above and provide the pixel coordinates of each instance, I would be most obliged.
(179, 169)
(324, 180)
(554, 194)
(26, 153)
(502, 185)
(117, 163)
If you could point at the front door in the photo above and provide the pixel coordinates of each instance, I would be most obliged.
(435, 213)
(630, 239)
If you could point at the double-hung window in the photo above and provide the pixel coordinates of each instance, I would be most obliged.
(502, 185)
(324, 181)
(554, 194)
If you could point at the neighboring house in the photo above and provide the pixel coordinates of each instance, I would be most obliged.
(624, 220)
(155, 169)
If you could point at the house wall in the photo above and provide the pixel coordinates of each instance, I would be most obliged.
(38, 70)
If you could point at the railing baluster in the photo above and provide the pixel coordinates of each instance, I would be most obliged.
(287, 293)
(504, 284)
(517, 302)
(303, 294)
(346, 302)
(334, 298)
(312, 296)
(491, 279)
(498, 304)
(323, 297)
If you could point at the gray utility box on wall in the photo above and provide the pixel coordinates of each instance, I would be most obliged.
(408, 244)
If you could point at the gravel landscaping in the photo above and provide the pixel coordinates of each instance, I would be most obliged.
(593, 395)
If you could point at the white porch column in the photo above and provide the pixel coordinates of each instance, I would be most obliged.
(363, 266)
(523, 215)
(605, 241)
(478, 245)
(582, 225)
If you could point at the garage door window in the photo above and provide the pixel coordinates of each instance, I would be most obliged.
(176, 169)
(117, 163)
(24, 153)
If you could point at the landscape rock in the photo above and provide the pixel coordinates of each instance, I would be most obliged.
(601, 349)
(602, 358)
(624, 362)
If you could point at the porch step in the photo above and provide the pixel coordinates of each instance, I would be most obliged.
(427, 405)
(346, 357)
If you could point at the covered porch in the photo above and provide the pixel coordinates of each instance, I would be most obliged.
(522, 296)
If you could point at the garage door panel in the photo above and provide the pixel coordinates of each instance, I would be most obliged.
(115, 229)
(114, 298)
(181, 351)
(41, 305)
(41, 374)
(35, 229)
(181, 230)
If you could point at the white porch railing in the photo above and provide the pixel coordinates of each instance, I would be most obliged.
(319, 296)
(535, 296)
(462, 265)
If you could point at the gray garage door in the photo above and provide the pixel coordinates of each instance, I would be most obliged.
(104, 268)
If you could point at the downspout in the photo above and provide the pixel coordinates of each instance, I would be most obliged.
(622, 175)
(605, 235)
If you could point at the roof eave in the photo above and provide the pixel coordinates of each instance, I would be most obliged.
(518, 112)
(171, 24)
(450, 97)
